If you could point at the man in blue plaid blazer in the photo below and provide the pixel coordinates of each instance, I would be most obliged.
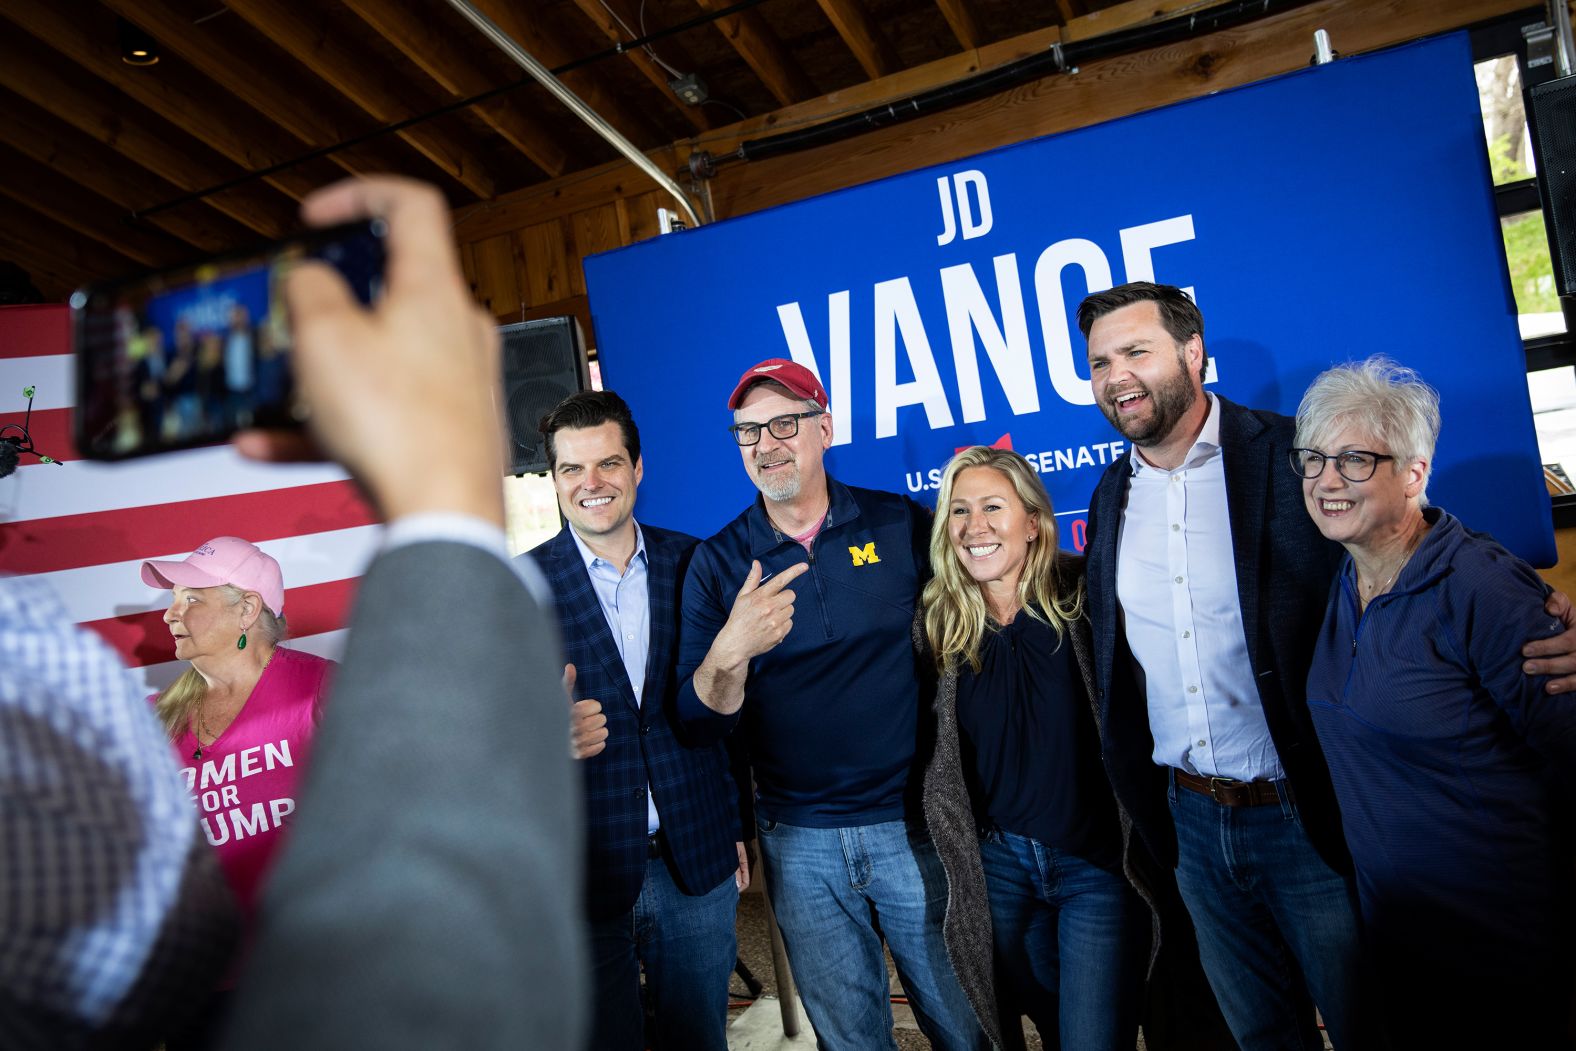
(664, 866)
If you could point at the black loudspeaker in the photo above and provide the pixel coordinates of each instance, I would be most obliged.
(1551, 118)
(543, 363)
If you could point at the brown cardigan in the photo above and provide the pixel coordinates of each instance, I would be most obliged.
(949, 816)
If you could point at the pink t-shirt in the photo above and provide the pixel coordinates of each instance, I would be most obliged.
(245, 783)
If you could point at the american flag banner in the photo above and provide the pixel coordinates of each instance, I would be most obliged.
(86, 528)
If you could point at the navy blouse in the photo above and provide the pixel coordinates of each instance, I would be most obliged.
(1030, 749)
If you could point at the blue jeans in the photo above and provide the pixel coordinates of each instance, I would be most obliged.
(836, 892)
(1047, 906)
(1277, 926)
(689, 948)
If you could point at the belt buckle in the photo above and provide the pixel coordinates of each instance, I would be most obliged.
(1215, 783)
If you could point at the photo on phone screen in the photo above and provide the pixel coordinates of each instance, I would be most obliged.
(188, 356)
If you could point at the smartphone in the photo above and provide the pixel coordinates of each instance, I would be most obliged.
(188, 356)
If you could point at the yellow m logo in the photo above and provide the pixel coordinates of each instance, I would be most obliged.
(864, 554)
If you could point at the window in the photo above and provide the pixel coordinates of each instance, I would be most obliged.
(1505, 66)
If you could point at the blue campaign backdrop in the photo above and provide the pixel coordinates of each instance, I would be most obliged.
(1322, 216)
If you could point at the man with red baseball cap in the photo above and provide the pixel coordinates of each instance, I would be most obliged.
(834, 704)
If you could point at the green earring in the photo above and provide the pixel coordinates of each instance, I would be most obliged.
(240, 643)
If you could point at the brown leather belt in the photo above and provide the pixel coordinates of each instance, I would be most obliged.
(1228, 792)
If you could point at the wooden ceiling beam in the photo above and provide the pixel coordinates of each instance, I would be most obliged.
(960, 17)
(763, 52)
(175, 92)
(52, 142)
(454, 67)
(41, 77)
(306, 31)
(531, 31)
(264, 84)
(876, 55)
(612, 23)
(261, 86)
(46, 191)
(25, 235)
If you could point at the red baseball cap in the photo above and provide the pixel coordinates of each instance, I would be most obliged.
(790, 374)
(223, 560)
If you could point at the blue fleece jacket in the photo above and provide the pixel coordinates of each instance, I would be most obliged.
(832, 715)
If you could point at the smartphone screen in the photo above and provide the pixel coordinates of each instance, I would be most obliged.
(188, 356)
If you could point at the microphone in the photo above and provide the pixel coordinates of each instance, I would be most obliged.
(13, 445)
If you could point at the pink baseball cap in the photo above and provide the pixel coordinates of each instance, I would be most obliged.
(223, 560)
(790, 374)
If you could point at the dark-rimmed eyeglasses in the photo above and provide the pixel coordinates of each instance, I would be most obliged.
(782, 427)
(1354, 465)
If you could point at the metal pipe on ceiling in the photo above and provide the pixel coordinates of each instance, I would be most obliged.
(544, 76)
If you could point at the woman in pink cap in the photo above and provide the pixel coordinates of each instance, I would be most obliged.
(241, 718)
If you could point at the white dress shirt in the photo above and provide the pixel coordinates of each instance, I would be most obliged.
(626, 605)
(1176, 582)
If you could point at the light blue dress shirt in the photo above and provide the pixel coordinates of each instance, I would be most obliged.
(1176, 579)
(626, 603)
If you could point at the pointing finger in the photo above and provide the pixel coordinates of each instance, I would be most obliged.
(752, 581)
(783, 579)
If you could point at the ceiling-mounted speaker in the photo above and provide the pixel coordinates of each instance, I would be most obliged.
(543, 363)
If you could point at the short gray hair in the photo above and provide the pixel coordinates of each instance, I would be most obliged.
(1380, 396)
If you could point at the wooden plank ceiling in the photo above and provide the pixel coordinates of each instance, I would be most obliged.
(108, 168)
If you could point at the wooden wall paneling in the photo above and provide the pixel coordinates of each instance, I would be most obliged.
(594, 230)
(642, 213)
(496, 275)
(544, 261)
(578, 307)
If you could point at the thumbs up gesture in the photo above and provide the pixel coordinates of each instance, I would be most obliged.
(587, 724)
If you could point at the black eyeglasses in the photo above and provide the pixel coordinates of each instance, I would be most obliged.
(1354, 465)
(782, 428)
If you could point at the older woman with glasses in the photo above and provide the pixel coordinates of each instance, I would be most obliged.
(1448, 761)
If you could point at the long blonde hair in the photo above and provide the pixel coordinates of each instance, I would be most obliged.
(955, 610)
(181, 697)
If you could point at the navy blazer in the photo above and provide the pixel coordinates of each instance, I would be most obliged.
(695, 795)
(1284, 569)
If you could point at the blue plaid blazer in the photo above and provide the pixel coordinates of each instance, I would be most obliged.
(694, 790)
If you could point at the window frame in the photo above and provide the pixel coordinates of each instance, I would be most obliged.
(1507, 35)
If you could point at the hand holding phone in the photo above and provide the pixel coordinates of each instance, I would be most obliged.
(406, 392)
(189, 355)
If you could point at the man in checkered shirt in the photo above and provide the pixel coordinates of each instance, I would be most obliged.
(113, 916)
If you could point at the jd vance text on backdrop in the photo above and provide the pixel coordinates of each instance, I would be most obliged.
(1318, 217)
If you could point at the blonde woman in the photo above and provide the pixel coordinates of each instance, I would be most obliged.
(241, 717)
(1029, 832)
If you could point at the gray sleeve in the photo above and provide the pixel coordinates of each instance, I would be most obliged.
(430, 892)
